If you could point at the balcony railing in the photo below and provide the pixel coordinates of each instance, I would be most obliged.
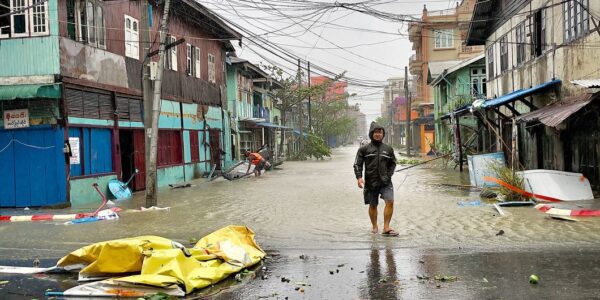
(441, 13)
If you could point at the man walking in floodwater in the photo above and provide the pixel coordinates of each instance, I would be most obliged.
(379, 163)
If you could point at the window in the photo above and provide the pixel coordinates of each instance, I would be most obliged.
(490, 64)
(169, 148)
(192, 61)
(576, 19)
(478, 89)
(132, 37)
(520, 37)
(504, 53)
(444, 38)
(197, 62)
(171, 54)
(539, 33)
(29, 22)
(85, 22)
(95, 151)
(194, 146)
(211, 68)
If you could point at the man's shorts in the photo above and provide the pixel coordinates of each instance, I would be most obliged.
(261, 165)
(372, 196)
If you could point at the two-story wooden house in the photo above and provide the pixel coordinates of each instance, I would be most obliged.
(72, 70)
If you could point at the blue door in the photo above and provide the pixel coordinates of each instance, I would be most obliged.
(32, 165)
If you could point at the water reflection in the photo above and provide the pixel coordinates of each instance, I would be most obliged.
(382, 277)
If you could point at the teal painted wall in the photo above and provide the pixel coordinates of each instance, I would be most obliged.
(187, 155)
(83, 193)
(232, 88)
(194, 170)
(170, 175)
(129, 124)
(32, 55)
(94, 122)
(170, 115)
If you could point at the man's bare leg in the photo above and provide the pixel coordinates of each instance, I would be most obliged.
(373, 217)
(387, 215)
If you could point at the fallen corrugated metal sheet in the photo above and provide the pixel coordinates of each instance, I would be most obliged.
(554, 114)
(590, 83)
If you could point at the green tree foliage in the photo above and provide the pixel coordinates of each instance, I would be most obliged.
(329, 115)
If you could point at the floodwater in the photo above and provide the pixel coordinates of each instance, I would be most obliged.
(315, 207)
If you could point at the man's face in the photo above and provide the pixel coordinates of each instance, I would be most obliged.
(378, 135)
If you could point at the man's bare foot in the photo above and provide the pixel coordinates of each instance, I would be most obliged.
(374, 230)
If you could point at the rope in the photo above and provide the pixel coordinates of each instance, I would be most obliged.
(24, 144)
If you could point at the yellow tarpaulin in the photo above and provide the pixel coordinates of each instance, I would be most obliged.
(160, 262)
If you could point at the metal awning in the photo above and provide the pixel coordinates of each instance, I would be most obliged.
(297, 132)
(272, 125)
(554, 114)
(518, 95)
(28, 91)
(253, 120)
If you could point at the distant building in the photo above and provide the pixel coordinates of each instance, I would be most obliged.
(438, 40)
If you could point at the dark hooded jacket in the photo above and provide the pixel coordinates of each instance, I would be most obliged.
(379, 162)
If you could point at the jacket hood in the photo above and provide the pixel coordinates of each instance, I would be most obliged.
(375, 125)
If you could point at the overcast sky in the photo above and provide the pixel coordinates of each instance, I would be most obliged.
(372, 50)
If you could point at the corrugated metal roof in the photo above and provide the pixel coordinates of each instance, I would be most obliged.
(554, 114)
(437, 67)
(590, 83)
(27, 91)
(456, 67)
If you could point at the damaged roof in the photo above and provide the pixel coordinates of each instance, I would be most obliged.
(556, 113)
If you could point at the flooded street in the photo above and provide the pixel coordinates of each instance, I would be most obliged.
(315, 208)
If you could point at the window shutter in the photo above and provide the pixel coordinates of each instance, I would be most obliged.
(105, 107)
(123, 108)
(135, 39)
(197, 62)
(91, 108)
(74, 102)
(173, 55)
(127, 36)
(71, 20)
(135, 110)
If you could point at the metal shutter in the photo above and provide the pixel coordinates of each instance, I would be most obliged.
(90, 105)
(135, 110)
(74, 102)
(105, 106)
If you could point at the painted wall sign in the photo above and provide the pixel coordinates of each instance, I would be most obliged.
(18, 118)
(75, 154)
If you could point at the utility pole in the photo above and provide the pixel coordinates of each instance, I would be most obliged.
(309, 113)
(392, 120)
(301, 112)
(152, 132)
(408, 104)
(146, 82)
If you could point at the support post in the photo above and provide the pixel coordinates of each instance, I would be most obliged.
(300, 110)
(458, 140)
(408, 108)
(309, 104)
